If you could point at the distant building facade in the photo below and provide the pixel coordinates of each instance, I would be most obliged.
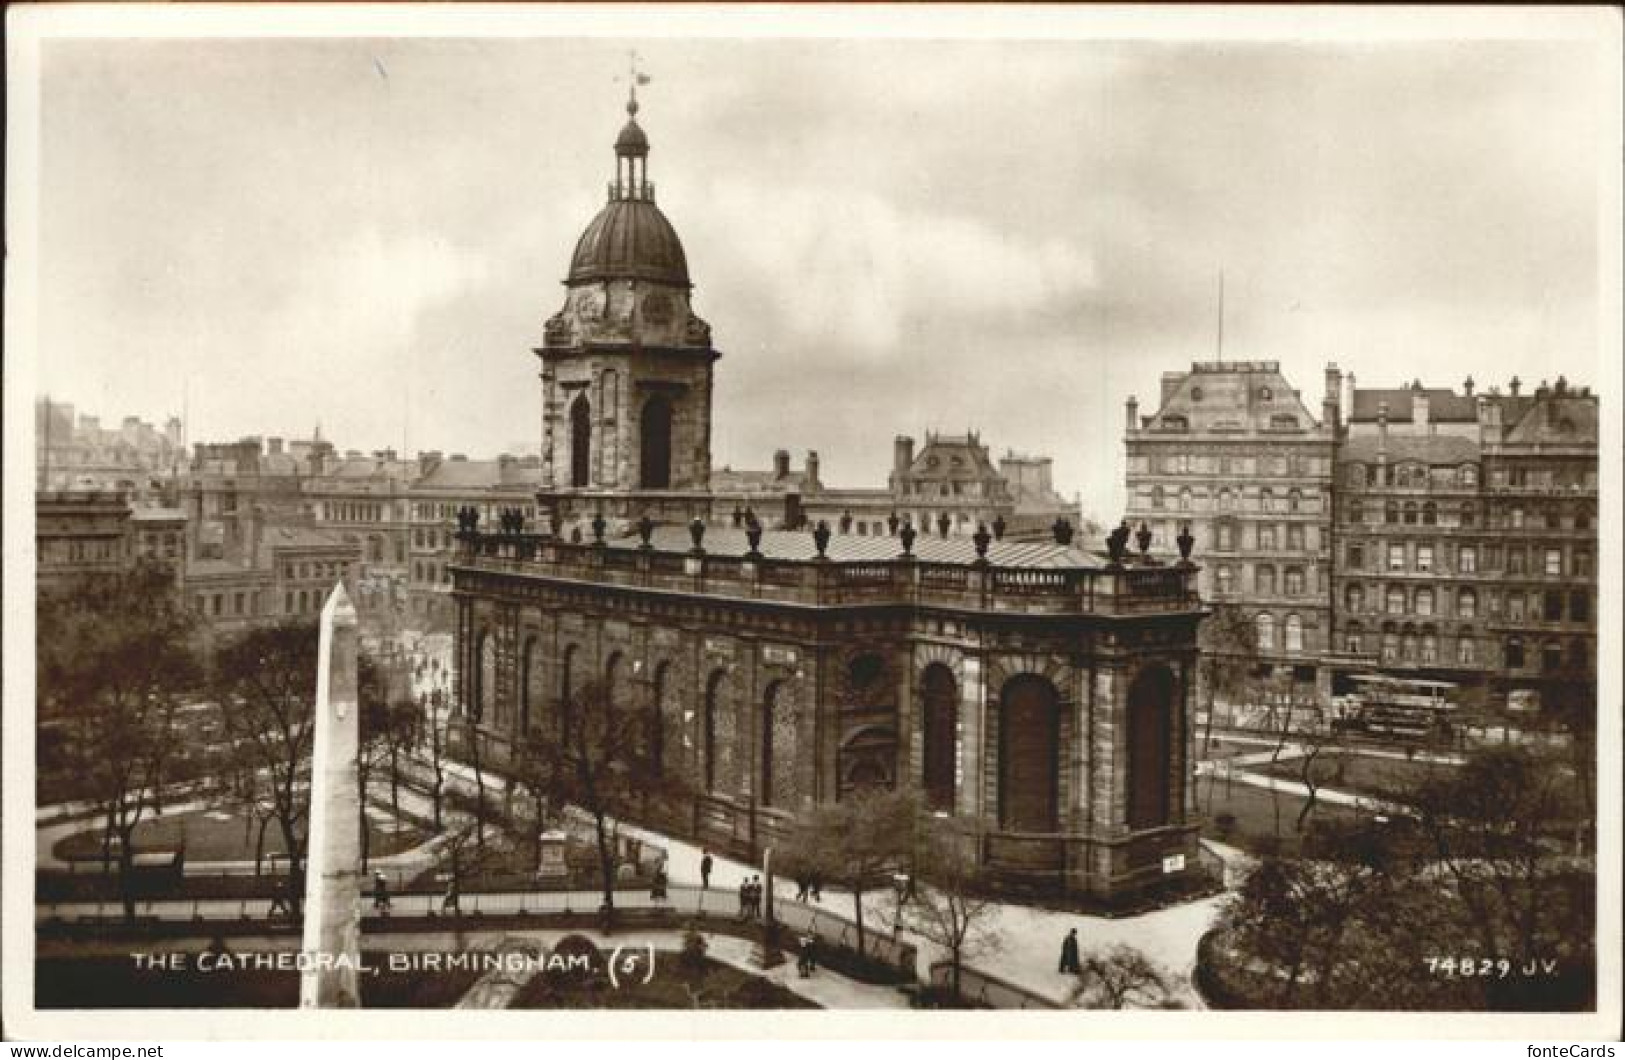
(1459, 529)
(1233, 452)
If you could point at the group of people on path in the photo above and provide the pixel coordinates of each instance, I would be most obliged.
(750, 898)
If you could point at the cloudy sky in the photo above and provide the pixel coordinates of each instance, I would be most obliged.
(887, 236)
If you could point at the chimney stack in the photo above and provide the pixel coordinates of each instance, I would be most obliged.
(1131, 414)
(902, 457)
(1382, 427)
(812, 482)
(1331, 405)
(781, 464)
(1514, 386)
(1419, 411)
(1467, 387)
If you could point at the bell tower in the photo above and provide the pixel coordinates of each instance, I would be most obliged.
(626, 364)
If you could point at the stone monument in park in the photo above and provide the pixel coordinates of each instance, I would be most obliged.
(332, 940)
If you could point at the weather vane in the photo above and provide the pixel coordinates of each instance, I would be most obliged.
(635, 77)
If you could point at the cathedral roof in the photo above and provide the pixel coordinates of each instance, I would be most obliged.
(630, 239)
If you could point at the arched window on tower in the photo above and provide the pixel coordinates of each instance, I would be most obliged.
(655, 443)
(580, 441)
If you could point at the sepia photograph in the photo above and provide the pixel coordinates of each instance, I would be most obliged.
(744, 513)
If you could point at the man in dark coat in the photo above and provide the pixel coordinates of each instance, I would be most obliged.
(705, 870)
(1069, 953)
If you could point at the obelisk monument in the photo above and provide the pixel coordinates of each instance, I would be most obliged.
(332, 940)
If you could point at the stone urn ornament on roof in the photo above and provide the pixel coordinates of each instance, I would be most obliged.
(943, 523)
(696, 531)
(846, 522)
(907, 534)
(981, 539)
(1186, 542)
(598, 525)
(998, 528)
(1062, 529)
(821, 538)
(646, 531)
(891, 524)
(753, 534)
(1143, 538)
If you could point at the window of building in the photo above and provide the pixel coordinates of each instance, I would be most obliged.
(1410, 513)
(1516, 518)
(1294, 500)
(1356, 557)
(1294, 581)
(1354, 599)
(237, 603)
(1515, 607)
(1226, 500)
(1467, 604)
(1264, 580)
(1514, 561)
(1551, 656)
(1424, 601)
(1294, 633)
(1582, 562)
(1266, 500)
(1395, 600)
(1467, 559)
(1185, 500)
(1390, 512)
(1424, 557)
(1294, 537)
(1407, 647)
(1465, 652)
(1579, 606)
(1582, 518)
(215, 604)
(1266, 538)
(1356, 513)
(1514, 653)
(1430, 648)
(1225, 579)
(1430, 514)
(1226, 537)
(1552, 606)
(1156, 496)
(1554, 561)
(1351, 643)
(1265, 624)
(1396, 557)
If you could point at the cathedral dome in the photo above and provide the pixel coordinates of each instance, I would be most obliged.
(630, 239)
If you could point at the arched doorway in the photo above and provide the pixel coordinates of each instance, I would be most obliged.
(1029, 755)
(654, 433)
(580, 441)
(941, 708)
(1150, 747)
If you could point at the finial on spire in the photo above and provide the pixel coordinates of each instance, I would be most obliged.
(634, 78)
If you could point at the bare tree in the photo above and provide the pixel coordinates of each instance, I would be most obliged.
(1229, 657)
(857, 842)
(113, 661)
(266, 683)
(953, 907)
(1120, 975)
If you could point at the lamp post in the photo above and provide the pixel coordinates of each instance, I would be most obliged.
(766, 953)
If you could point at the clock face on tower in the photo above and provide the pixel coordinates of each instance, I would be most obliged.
(658, 307)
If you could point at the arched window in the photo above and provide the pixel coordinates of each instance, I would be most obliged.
(941, 723)
(529, 682)
(1395, 604)
(778, 745)
(654, 433)
(1467, 604)
(716, 734)
(1410, 512)
(1514, 653)
(1424, 601)
(1029, 755)
(580, 441)
(1150, 742)
(485, 688)
(1294, 633)
(1265, 623)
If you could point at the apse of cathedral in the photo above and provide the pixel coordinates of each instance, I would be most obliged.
(1037, 692)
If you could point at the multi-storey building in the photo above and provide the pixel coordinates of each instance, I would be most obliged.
(444, 487)
(1460, 529)
(1233, 453)
(79, 534)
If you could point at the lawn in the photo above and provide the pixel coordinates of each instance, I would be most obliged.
(1262, 818)
(675, 984)
(222, 835)
(1357, 773)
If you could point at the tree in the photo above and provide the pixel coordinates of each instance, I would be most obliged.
(856, 842)
(266, 683)
(953, 907)
(594, 764)
(1229, 657)
(1113, 978)
(433, 731)
(113, 661)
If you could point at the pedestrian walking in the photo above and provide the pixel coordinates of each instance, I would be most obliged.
(817, 882)
(804, 956)
(452, 900)
(380, 893)
(1069, 953)
(657, 889)
(744, 898)
(802, 885)
(705, 870)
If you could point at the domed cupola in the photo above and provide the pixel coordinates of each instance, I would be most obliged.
(630, 239)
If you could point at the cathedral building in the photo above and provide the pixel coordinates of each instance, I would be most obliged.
(1036, 691)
